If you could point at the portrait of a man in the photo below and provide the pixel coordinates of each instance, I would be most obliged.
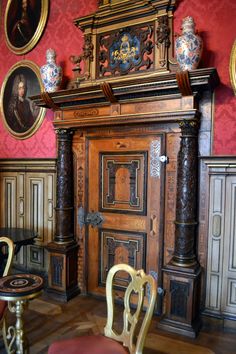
(24, 23)
(21, 116)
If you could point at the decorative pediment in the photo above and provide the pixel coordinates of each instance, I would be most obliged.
(125, 38)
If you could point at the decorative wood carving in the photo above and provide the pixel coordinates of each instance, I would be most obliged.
(79, 151)
(65, 192)
(107, 90)
(87, 57)
(186, 198)
(183, 81)
(63, 250)
(122, 106)
(163, 39)
(124, 41)
(124, 51)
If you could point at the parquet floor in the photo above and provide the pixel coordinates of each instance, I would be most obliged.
(47, 320)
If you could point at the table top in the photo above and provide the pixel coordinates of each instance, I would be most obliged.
(18, 235)
(20, 286)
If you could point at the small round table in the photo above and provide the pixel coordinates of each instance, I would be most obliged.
(17, 290)
(19, 236)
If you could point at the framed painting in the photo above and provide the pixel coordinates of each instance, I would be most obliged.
(24, 23)
(21, 116)
(232, 67)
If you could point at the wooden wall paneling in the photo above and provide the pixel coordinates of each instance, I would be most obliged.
(229, 250)
(21, 200)
(215, 242)
(206, 107)
(28, 190)
(221, 266)
(9, 205)
(13, 206)
(34, 200)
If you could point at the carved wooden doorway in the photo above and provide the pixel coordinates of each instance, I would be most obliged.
(124, 199)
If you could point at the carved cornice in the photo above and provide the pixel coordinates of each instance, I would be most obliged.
(121, 11)
(154, 86)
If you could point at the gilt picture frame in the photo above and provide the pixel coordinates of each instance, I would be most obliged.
(24, 22)
(21, 116)
(232, 67)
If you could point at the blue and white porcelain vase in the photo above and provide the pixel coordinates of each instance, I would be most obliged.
(51, 73)
(188, 46)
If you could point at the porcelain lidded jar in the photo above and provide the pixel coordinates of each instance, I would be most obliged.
(188, 46)
(51, 73)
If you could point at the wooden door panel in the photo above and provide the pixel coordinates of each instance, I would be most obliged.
(123, 182)
(120, 247)
(124, 186)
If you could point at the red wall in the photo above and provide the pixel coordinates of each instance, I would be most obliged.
(215, 22)
(62, 35)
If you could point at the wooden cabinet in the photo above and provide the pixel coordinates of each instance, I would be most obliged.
(116, 124)
(221, 265)
(27, 190)
(126, 204)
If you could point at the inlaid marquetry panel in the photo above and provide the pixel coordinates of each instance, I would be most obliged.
(121, 247)
(118, 171)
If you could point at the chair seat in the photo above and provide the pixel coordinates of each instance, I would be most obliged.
(87, 345)
(3, 305)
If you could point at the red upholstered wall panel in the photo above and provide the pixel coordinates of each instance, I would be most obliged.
(62, 35)
(215, 22)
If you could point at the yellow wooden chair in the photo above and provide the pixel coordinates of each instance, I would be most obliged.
(113, 342)
(7, 258)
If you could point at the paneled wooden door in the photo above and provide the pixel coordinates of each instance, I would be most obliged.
(125, 187)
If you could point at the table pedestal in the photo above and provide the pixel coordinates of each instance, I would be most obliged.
(18, 290)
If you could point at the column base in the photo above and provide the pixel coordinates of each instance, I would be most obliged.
(63, 273)
(182, 314)
(62, 296)
(190, 331)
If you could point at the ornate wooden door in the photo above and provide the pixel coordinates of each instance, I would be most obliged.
(124, 190)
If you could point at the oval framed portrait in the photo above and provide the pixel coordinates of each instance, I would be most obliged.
(21, 116)
(232, 67)
(24, 23)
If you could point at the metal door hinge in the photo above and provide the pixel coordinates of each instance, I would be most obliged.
(95, 219)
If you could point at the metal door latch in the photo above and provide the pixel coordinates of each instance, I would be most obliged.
(164, 158)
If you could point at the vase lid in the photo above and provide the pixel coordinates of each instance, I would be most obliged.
(188, 24)
(50, 54)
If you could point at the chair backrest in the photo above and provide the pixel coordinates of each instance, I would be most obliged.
(9, 254)
(137, 285)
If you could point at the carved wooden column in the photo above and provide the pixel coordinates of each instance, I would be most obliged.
(63, 250)
(183, 271)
